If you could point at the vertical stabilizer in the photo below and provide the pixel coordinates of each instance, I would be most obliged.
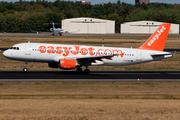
(158, 39)
(53, 26)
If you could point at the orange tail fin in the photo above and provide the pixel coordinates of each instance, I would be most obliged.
(158, 39)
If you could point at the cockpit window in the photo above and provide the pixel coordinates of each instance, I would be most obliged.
(15, 48)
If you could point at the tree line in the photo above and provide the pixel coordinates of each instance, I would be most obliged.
(22, 15)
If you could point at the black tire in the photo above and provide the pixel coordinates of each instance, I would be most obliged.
(86, 71)
(79, 70)
(25, 70)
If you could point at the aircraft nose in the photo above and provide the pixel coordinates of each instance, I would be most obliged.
(5, 54)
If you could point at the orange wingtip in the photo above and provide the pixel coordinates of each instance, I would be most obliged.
(158, 39)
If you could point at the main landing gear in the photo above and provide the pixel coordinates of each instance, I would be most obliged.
(79, 70)
(25, 68)
(86, 71)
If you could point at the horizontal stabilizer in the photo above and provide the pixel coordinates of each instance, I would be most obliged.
(161, 53)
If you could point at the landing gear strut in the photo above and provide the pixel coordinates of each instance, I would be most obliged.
(86, 71)
(25, 68)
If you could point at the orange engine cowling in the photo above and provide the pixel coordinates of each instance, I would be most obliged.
(67, 64)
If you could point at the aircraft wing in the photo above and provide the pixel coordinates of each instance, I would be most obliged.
(94, 60)
(39, 31)
(66, 32)
(88, 59)
(97, 57)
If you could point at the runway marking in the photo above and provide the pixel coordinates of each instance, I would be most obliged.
(137, 73)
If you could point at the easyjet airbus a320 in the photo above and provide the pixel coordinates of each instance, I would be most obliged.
(75, 56)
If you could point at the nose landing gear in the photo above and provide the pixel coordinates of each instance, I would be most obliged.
(25, 68)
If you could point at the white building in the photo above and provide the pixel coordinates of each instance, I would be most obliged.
(146, 27)
(85, 25)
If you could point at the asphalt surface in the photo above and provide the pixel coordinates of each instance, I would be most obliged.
(115, 35)
(84, 35)
(3, 49)
(93, 76)
(24, 34)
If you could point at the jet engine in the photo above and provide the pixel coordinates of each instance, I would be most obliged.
(67, 64)
(51, 29)
(63, 64)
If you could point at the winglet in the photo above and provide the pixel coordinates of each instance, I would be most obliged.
(158, 39)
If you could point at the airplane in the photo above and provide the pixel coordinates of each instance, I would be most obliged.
(75, 56)
(54, 30)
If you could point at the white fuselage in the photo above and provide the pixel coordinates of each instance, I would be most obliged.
(42, 52)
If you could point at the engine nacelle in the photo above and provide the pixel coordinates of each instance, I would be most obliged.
(51, 29)
(67, 64)
(63, 64)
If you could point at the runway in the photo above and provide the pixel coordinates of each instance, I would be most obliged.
(93, 76)
(81, 35)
